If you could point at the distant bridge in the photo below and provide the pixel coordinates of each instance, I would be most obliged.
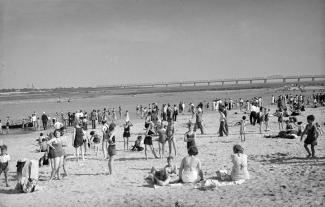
(222, 82)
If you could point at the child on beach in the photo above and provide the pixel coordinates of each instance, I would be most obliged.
(162, 138)
(170, 167)
(170, 136)
(95, 141)
(4, 163)
(312, 135)
(190, 135)
(138, 144)
(242, 129)
(280, 119)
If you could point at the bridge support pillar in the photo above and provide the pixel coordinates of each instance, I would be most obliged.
(236, 82)
(250, 81)
(208, 83)
(222, 83)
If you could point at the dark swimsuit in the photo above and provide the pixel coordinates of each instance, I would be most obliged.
(148, 138)
(111, 146)
(78, 141)
(126, 132)
(190, 143)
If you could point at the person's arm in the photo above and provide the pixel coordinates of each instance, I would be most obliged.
(304, 132)
(49, 143)
(185, 137)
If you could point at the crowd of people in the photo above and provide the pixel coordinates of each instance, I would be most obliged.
(159, 124)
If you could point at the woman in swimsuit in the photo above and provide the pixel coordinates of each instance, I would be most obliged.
(170, 137)
(55, 154)
(78, 140)
(111, 150)
(190, 170)
(126, 134)
(162, 138)
(148, 140)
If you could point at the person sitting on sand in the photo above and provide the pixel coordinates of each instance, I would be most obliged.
(190, 170)
(239, 159)
(138, 144)
(162, 177)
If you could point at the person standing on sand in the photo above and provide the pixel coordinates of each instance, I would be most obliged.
(55, 154)
(223, 119)
(111, 150)
(105, 141)
(44, 120)
(199, 120)
(7, 125)
(93, 117)
(78, 140)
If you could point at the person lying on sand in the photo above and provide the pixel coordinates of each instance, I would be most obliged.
(289, 133)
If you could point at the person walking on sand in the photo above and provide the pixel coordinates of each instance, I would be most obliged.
(199, 120)
(148, 140)
(312, 135)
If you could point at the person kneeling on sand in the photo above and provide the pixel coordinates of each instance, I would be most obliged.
(162, 177)
(239, 169)
(190, 170)
(138, 144)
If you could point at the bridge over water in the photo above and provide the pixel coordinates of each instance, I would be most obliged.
(271, 79)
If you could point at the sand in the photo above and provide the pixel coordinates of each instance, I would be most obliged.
(280, 174)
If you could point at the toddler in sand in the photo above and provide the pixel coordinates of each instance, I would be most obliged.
(312, 135)
(4, 163)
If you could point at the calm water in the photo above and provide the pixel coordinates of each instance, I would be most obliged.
(23, 108)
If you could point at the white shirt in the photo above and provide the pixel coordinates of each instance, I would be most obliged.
(4, 158)
(34, 118)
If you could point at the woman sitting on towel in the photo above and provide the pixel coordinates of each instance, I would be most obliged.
(190, 170)
(239, 160)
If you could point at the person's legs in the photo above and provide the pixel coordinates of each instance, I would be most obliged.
(153, 151)
(52, 167)
(307, 149)
(145, 151)
(77, 154)
(63, 165)
(124, 140)
(110, 164)
(312, 150)
(82, 154)
(169, 147)
(6, 178)
(221, 129)
(251, 118)
(174, 145)
(104, 143)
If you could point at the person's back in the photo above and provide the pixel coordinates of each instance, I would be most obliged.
(239, 169)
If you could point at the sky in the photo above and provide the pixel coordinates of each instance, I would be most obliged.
(75, 43)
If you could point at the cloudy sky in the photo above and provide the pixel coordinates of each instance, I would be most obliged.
(53, 43)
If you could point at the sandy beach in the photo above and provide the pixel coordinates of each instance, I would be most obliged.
(280, 173)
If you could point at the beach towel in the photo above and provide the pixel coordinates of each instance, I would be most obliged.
(211, 184)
